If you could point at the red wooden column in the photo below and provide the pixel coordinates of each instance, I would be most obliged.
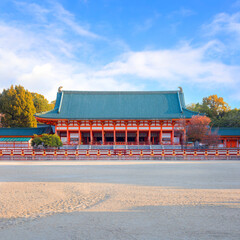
(149, 132)
(114, 133)
(79, 134)
(68, 135)
(160, 135)
(126, 141)
(91, 133)
(103, 137)
(172, 135)
(138, 133)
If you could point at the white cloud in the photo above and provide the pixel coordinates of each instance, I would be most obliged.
(181, 65)
(224, 23)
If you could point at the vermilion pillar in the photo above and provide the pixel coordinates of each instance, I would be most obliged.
(149, 133)
(68, 135)
(172, 135)
(114, 133)
(126, 140)
(160, 135)
(91, 134)
(137, 132)
(103, 138)
(79, 136)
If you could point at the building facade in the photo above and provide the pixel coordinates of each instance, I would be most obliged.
(229, 137)
(119, 118)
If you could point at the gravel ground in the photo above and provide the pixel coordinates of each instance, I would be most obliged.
(120, 200)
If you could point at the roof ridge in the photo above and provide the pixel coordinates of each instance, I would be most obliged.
(119, 92)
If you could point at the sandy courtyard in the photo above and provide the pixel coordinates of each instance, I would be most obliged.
(120, 200)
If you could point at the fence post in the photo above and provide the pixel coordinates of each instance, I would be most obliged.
(66, 153)
(87, 153)
(174, 153)
(130, 153)
(76, 154)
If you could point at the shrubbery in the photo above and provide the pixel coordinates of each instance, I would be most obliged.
(46, 140)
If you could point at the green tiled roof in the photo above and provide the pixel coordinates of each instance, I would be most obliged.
(15, 139)
(119, 105)
(8, 132)
(227, 131)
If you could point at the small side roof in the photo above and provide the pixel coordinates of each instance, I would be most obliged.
(24, 132)
(227, 131)
(20, 139)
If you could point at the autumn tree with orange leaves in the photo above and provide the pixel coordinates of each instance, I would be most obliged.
(198, 128)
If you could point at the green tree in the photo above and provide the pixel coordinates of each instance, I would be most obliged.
(213, 106)
(41, 103)
(228, 119)
(46, 140)
(17, 107)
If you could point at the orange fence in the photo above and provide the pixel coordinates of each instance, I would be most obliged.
(158, 153)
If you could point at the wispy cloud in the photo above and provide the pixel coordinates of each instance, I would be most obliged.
(67, 18)
(182, 12)
(224, 23)
(147, 23)
(61, 16)
(33, 9)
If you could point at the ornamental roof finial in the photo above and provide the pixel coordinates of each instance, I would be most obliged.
(180, 89)
(60, 89)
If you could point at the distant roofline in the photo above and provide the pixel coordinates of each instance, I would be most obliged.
(122, 92)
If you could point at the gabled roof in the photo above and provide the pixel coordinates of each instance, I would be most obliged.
(8, 132)
(118, 105)
(227, 131)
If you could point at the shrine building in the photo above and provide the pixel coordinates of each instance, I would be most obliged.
(119, 118)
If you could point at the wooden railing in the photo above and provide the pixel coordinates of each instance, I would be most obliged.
(158, 153)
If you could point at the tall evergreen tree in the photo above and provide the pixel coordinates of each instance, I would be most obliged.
(16, 104)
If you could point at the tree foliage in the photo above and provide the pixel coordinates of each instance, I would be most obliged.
(46, 140)
(228, 119)
(41, 103)
(198, 128)
(213, 106)
(218, 111)
(16, 105)
(211, 139)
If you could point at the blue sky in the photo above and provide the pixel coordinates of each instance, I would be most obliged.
(122, 45)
